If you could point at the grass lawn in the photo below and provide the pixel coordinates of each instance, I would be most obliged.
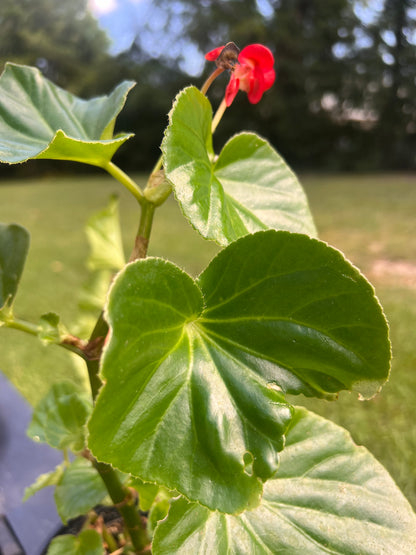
(370, 218)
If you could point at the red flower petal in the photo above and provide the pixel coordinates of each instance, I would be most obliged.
(269, 78)
(212, 55)
(257, 54)
(231, 90)
(256, 85)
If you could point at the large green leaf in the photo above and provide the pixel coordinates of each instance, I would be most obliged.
(247, 189)
(14, 246)
(59, 418)
(194, 370)
(79, 490)
(88, 542)
(40, 120)
(329, 496)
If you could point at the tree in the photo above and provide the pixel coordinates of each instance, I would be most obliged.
(396, 95)
(61, 38)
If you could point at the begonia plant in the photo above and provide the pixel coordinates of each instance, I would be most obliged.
(188, 425)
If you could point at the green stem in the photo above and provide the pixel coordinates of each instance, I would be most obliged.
(125, 503)
(120, 495)
(68, 342)
(218, 115)
(125, 180)
(141, 243)
(158, 165)
(108, 538)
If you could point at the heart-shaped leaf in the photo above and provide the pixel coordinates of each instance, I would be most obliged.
(40, 120)
(249, 188)
(194, 370)
(14, 246)
(329, 496)
(59, 418)
(79, 490)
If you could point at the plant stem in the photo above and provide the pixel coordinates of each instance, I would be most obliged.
(210, 79)
(120, 495)
(125, 503)
(108, 538)
(141, 243)
(125, 180)
(218, 115)
(69, 342)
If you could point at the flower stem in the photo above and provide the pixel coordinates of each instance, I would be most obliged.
(125, 180)
(218, 115)
(210, 80)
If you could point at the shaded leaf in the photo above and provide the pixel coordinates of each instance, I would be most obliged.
(248, 188)
(40, 120)
(194, 371)
(329, 496)
(88, 542)
(44, 480)
(59, 418)
(104, 237)
(79, 490)
(14, 246)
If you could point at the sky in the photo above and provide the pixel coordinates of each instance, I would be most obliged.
(123, 19)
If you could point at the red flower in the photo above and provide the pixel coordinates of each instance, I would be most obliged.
(253, 73)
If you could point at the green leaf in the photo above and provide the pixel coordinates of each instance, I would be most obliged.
(194, 370)
(153, 499)
(79, 490)
(104, 237)
(40, 120)
(44, 480)
(329, 496)
(49, 328)
(59, 418)
(248, 188)
(87, 543)
(14, 246)
(147, 492)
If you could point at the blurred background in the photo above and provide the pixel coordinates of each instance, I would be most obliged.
(342, 113)
(345, 95)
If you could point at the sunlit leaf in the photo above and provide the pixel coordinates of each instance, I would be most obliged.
(248, 188)
(329, 496)
(194, 371)
(40, 120)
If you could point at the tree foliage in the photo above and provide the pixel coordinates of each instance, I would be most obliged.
(62, 39)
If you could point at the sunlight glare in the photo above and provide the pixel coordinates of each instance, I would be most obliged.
(100, 7)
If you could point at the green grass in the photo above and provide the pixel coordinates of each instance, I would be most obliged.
(370, 218)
